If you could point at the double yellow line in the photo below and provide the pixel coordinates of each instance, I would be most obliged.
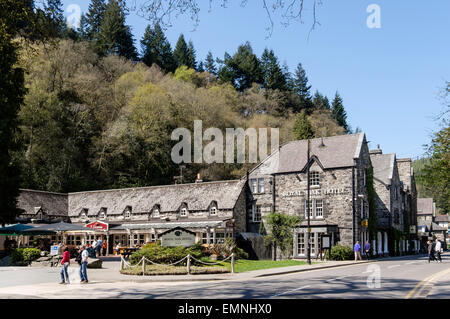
(419, 288)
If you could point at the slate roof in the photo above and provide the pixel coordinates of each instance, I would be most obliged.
(425, 206)
(334, 152)
(53, 204)
(441, 218)
(383, 167)
(190, 223)
(198, 196)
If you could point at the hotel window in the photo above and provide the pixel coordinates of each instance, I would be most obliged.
(260, 185)
(213, 211)
(127, 214)
(319, 208)
(253, 183)
(183, 212)
(314, 178)
(301, 246)
(84, 214)
(220, 238)
(102, 215)
(256, 213)
(156, 212)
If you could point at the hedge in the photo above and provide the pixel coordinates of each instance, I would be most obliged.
(25, 254)
(339, 252)
(165, 255)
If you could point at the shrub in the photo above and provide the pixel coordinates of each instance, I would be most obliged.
(226, 249)
(339, 252)
(165, 255)
(173, 270)
(25, 254)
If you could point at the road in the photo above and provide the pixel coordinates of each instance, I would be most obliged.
(407, 277)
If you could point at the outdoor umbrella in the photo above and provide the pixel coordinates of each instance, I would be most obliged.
(14, 230)
(49, 229)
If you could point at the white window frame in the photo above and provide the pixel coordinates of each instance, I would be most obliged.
(127, 214)
(102, 215)
(316, 207)
(156, 212)
(314, 178)
(255, 213)
(213, 211)
(183, 212)
(313, 209)
(260, 185)
(253, 185)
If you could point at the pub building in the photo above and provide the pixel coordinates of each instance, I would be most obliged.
(216, 210)
(338, 198)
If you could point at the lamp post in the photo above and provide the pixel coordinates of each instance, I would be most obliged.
(308, 245)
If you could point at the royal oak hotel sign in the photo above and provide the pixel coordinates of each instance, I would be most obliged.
(330, 191)
(177, 237)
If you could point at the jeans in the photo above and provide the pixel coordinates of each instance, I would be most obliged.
(83, 271)
(64, 273)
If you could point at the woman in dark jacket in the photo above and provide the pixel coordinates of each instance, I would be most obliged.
(430, 251)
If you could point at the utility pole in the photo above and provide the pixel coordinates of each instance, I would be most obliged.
(308, 232)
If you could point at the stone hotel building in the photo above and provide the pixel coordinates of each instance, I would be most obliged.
(339, 203)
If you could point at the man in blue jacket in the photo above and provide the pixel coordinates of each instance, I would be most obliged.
(357, 250)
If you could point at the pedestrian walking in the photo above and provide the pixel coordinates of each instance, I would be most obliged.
(118, 249)
(367, 249)
(99, 247)
(357, 250)
(94, 248)
(430, 251)
(104, 248)
(65, 262)
(437, 249)
(83, 265)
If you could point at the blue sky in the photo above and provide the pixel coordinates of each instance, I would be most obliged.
(388, 77)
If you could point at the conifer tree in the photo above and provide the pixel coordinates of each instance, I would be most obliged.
(274, 77)
(115, 36)
(321, 102)
(55, 14)
(191, 56)
(302, 127)
(156, 49)
(181, 52)
(210, 64)
(93, 19)
(338, 112)
(300, 83)
(200, 67)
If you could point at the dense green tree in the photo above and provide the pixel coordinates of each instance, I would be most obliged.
(55, 14)
(302, 127)
(279, 231)
(338, 112)
(434, 177)
(91, 22)
(115, 36)
(181, 52)
(210, 65)
(321, 102)
(192, 63)
(274, 77)
(242, 69)
(14, 17)
(300, 83)
(156, 49)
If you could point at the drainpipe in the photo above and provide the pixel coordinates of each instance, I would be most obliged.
(353, 202)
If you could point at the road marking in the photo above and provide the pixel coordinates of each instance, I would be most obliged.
(410, 263)
(420, 287)
(286, 292)
(393, 266)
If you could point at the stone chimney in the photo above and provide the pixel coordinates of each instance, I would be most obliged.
(377, 151)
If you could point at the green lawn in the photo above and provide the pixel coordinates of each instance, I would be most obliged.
(243, 265)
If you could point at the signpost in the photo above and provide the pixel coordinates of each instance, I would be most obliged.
(54, 250)
(177, 237)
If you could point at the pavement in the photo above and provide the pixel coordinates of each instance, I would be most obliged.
(28, 282)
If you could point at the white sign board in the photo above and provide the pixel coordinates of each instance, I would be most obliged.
(178, 237)
(54, 250)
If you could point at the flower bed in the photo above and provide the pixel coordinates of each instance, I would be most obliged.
(173, 270)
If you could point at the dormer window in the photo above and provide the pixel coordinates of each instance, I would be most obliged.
(127, 212)
(213, 211)
(314, 178)
(156, 212)
(83, 215)
(183, 212)
(102, 214)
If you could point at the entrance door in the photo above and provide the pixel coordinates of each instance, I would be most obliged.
(111, 244)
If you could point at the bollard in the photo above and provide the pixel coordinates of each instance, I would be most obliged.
(143, 266)
(232, 263)
(188, 264)
(121, 263)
